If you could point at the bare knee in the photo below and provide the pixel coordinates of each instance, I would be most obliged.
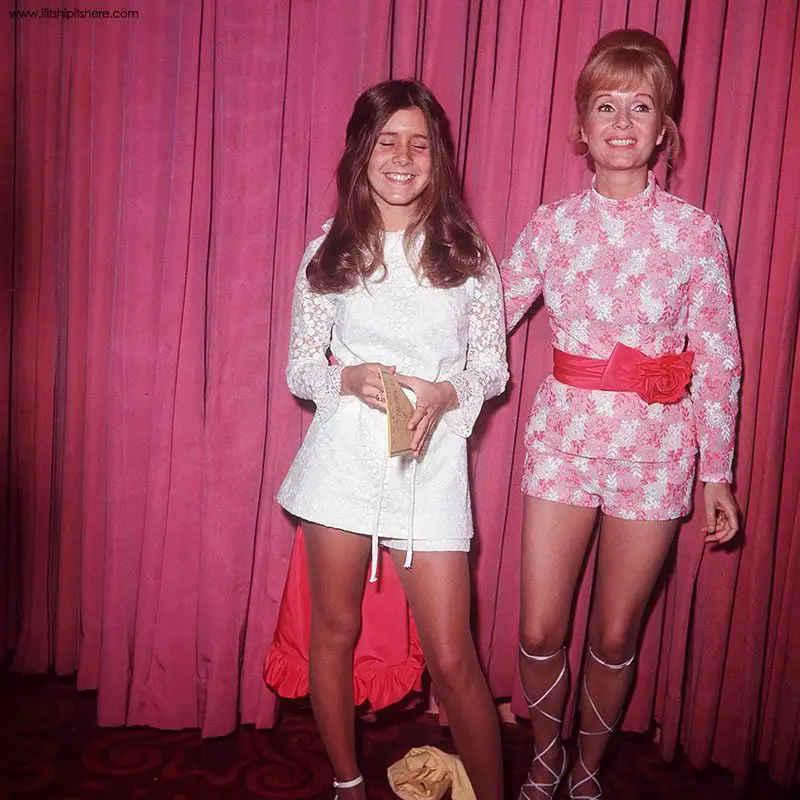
(613, 644)
(452, 668)
(335, 631)
(540, 639)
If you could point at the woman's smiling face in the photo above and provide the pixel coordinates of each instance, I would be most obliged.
(400, 166)
(622, 128)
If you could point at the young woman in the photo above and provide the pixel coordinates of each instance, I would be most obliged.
(646, 370)
(401, 281)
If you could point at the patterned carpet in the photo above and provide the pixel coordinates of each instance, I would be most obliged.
(52, 749)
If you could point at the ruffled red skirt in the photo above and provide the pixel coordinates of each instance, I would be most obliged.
(388, 662)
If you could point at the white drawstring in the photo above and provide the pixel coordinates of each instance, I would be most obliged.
(410, 535)
(373, 575)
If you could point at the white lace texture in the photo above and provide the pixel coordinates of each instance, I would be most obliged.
(342, 476)
(308, 373)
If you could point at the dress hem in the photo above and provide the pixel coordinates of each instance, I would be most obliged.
(421, 544)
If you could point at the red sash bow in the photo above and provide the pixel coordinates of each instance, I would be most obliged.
(664, 379)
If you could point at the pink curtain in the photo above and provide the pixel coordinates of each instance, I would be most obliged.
(161, 175)
(9, 576)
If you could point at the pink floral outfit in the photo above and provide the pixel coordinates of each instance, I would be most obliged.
(651, 274)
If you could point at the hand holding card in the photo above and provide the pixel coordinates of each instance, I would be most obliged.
(399, 410)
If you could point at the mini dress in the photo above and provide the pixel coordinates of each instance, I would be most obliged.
(342, 476)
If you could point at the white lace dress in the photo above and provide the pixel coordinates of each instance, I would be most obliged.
(342, 476)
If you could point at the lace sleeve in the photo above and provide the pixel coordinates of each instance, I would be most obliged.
(522, 272)
(717, 368)
(308, 373)
(486, 371)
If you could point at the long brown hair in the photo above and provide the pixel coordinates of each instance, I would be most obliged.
(452, 249)
(622, 59)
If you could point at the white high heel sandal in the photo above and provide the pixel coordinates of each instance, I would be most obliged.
(347, 784)
(592, 775)
(546, 789)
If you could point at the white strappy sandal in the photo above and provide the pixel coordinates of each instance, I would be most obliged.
(592, 775)
(347, 784)
(545, 789)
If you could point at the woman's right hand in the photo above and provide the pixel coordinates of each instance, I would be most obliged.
(364, 382)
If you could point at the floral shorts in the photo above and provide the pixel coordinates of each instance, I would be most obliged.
(624, 489)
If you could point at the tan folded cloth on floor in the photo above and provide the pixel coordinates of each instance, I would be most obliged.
(426, 773)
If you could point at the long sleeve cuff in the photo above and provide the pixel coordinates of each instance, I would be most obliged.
(328, 398)
(716, 460)
(711, 478)
(470, 401)
(715, 473)
(320, 383)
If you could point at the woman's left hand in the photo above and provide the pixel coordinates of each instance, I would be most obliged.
(433, 399)
(722, 513)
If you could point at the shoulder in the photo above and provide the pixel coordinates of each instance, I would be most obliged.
(685, 211)
(489, 270)
(301, 281)
(550, 215)
(699, 229)
(571, 204)
(486, 273)
(550, 218)
(314, 245)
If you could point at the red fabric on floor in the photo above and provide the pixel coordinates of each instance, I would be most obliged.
(388, 662)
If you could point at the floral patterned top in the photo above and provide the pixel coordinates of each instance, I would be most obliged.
(651, 272)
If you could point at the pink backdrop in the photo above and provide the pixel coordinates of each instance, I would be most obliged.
(160, 177)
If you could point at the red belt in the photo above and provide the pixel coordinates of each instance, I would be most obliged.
(656, 380)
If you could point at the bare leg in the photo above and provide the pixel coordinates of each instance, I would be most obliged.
(337, 563)
(555, 538)
(438, 589)
(630, 557)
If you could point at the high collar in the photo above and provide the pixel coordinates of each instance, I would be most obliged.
(644, 199)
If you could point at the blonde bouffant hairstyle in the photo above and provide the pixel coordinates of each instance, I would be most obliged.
(621, 60)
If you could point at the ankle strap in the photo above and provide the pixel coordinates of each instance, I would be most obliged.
(349, 784)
